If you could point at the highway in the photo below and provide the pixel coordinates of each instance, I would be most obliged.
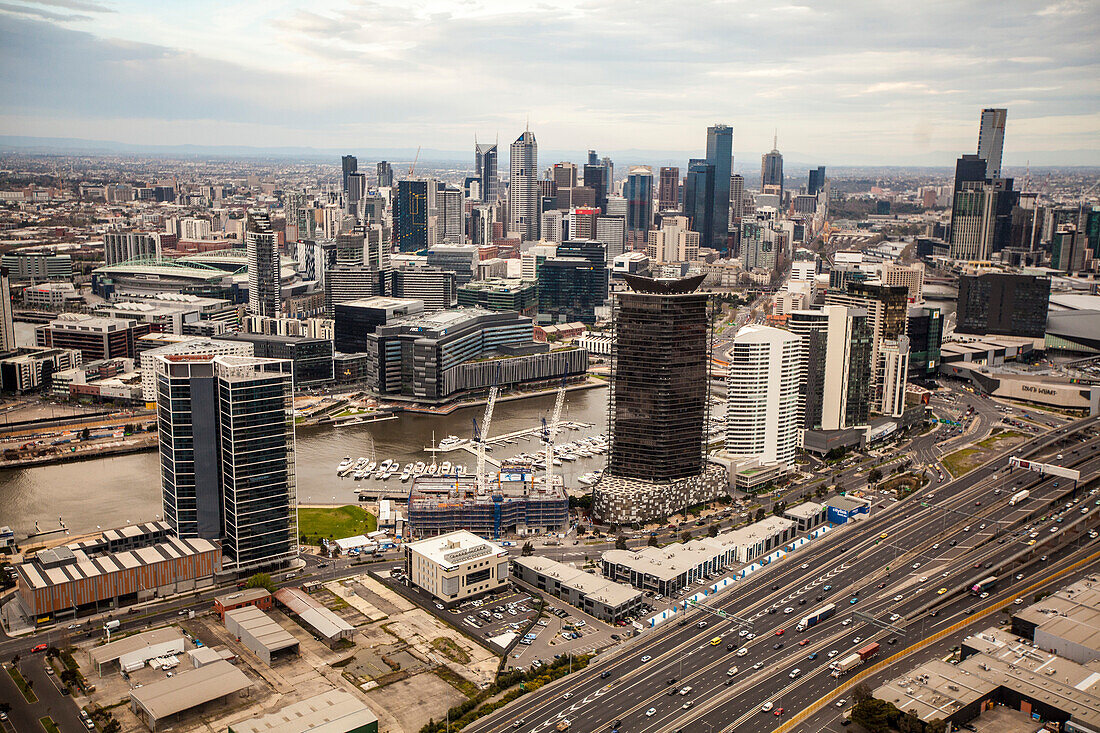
(851, 562)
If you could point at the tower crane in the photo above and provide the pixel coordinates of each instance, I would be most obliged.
(412, 167)
(552, 433)
(485, 422)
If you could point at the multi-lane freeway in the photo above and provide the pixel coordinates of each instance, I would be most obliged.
(895, 562)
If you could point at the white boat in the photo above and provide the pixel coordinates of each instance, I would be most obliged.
(418, 469)
(409, 468)
(406, 475)
(568, 457)
(360, 475)
(369, 468)
(460, 470)
(587, 479)
(433, 470)
(345, 466)
(445, 468)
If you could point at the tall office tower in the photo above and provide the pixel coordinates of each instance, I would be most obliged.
(450, 216)
(582, 222)
(737, 200)
(699, 199)
(887, 309)
(658, 413)
(981, 218)
(227, 454)
(410, 215)
(298, 212)
(763, 416)
(816, 184)
(611, 230)
(7, 321)
(836, 364)
(639, 200)
(771, 169)
(911, 276)
(485, 165)
(430, 284)
(758, 249)
(571, 289)
(551, 226)
(668, 189)
(591, 249)
(265, 295)
(925, 332)
(564, 175)
(384, 173)
(608, 172)
(1068, 249)
(894, 355)
(121, 246)
(673, 242)
(356, 190)
(349, 164)
(1002, 303)
(720, 155)
(523, 188)
(991, 139)
(595, 178)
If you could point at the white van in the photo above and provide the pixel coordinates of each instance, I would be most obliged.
(795, 673)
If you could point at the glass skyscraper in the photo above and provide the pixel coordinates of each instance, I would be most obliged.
(410, 216)
(720, 156)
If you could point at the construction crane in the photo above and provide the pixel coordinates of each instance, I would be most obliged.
(412, 167)
(552, 433)
(485, 422)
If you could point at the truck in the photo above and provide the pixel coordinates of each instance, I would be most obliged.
(846, 665)
(816, 617)
(983, 585)
(868, 651)
(564, 724)
(111, 625)
(1018, 497)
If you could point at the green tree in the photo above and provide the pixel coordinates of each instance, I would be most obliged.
(861, 692)
(874, 476)
(935, 725)
(261, 580)
(874, 715)
(713, 531)
(527, 549)
(653, 540)
(760, 514)
(620, 543)
(909, 723)
(686, 536)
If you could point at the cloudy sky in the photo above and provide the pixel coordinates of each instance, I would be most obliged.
(856, 81)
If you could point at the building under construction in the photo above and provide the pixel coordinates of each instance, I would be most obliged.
(510, 503)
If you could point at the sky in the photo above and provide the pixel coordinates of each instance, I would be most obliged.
(845, 83)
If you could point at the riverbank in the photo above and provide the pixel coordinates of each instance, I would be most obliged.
(69, 453)
(590, 383)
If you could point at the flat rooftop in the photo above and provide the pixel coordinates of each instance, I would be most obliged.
(246, 595)
(456, 548)
(83, 567)
(806, 510)
(1072, 613)
(593, 586)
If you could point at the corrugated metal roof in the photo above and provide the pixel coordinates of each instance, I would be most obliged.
(190, 689)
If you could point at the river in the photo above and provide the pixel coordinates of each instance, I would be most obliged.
(118, 490)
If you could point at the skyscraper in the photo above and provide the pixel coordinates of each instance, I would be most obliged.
(816, 182)
(595, 178)
(564, 175)
(349, 164)
(1003, 303)
(523, 188)
(7, 322)
(991, 138)
(699, 199)
(763, 419)
(737, 200)
(384, 172)
(668, 189)
(356, 190)
(262, 251)
(639, 200)
(836, 366)
(227, 454)
(410, 215)
(485, 165)
(771, 168)
(720, 156)
(887, 309)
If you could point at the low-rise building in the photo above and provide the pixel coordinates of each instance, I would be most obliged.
(258, 597)
(456, 566)
(599, 597)
(501, 294)
(34, 367)
(1066, 623)
(53, 296)
(807, 515)
(134, 651)
(260, 633)
(335, 711)
(840, 509)
(314, 615)
(165, 701)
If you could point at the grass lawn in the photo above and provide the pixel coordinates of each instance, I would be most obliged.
(49, 725)
(28, 693)
(963, 461)
(334, 523)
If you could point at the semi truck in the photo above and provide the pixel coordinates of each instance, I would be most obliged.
(1018, 497)
(868, 651)
(852, 661)
(983, 585)
(816, 617)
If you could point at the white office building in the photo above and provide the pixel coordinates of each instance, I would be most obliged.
(456, 566)
(763, 415)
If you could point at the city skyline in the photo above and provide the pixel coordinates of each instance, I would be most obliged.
(892, 96)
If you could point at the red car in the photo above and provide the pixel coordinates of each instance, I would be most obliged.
(39, 648)
(780, 632)
(804, 642)
(778, 712)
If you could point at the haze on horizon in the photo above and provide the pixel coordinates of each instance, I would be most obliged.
(845, 83)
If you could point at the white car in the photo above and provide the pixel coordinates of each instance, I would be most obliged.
(750, 635)
(646, 658)
(833, 653)
(846, 622)
(651, 712)
(765, 707)
(788, 609)
(567, 695)
(894, 617)
(805, 566)
(742, 633)
(841, 701)
(898, 598)
(758, 665)
(1018, 601)
(439, 606)
(857, 639)
(742, 652)
(916, 565)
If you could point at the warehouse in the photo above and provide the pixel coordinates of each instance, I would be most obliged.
(160, 702)
(335, 711)
(313, 615)
(261, 598)
(260, 634)
(137, 649)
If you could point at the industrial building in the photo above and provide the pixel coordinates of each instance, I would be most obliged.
(164, 701)
(335, 711)
(261, 598)
(314, 615)
(457, 566)
(599, 597)
(667, 570)
(513, 504)
(134, 651)
(79, 579)
(260, 634)
(1066, 623)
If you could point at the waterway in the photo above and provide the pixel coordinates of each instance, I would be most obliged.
(112, 491)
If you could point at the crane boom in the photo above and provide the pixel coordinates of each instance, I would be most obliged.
(552, 433)
(485, 422)
(413, 166)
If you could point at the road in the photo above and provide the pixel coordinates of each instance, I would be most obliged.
(856, 562)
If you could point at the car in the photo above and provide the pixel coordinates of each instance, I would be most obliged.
(778, 712)
(729, 647)
(730, 681)
(651, 712)
(646, 658)
(605, 674)
(780, 632)
(846, 622)
(701, 625)
(750, 635)
(1018, 601)
(567, 695)
(898, 597)
(936, 546)
(857, 639)
(788, 610)
(439, 606)
(742, 651)
(841, 701)
(977, 503)
(1043, 558)
(832, 653)
(758, 665)
(671, 681)
(49, 670)
(882, 585)
(777, 646)
(916, 565)
(1019, 576)
(38, 648)
(742, 633)
(805, 566)
(687, 705)
(766, 707)
(853, 602)
(953, 543)
(941, 591)
(828, 587)
(616, 637)
(517, 723)
(804, 642)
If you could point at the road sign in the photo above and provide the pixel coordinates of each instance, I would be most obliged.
(1044, 468)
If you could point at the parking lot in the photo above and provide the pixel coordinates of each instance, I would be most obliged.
(563, 630)
(496, 619)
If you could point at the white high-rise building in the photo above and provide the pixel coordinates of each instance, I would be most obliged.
(836, 363)
(763, 416)
(611, 230)
(552, 226)
(673, 242)
(894, 367)
(262, 250)
(535, 256)
(523, 188)
(991, 139)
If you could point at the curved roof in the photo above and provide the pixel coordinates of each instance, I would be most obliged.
(664, 286)
(163, 267)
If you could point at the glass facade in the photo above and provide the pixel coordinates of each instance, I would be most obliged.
(925, 336)
(570, 289)
(995, 303)
(410, 216)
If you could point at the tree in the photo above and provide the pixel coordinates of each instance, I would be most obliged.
(760, 514)
(874, 476)
(14, 659)
(70, 676)
(653, 540)
(620, 543)
(861, 692)
(713, 531)
(686, 536)
(936, 725)
(527, 549)
(910, 723)
(874, 715)
(85, 434)
(261, 580)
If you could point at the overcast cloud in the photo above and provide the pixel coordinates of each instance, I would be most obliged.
(844, 82)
